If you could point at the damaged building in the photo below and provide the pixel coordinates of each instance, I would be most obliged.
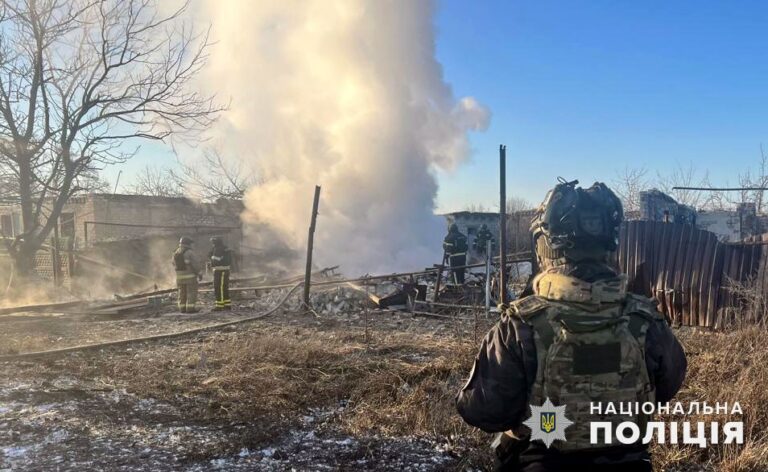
(469, 223)
(728, 225)
(127, 239)
(518, 227)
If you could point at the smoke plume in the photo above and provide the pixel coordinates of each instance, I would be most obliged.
(346, 94)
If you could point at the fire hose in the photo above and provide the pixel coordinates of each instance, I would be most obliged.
(156, 337)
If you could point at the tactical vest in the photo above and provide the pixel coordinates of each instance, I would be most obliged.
(590, 348)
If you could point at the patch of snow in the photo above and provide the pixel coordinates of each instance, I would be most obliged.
(268, 452)
(15, 452)
(57, 436)
(46, 407)
(219, 463)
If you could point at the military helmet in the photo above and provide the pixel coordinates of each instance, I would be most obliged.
(185, 241)
(453, 228)
(572, 220)
(216, 240)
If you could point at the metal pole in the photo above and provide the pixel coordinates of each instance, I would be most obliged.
(503, 224)
(310, 244)
(488, 257)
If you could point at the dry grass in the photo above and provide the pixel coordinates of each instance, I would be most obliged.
(398, 384)
(724, 367)
(404, 383)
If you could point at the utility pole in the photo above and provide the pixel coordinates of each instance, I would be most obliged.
(310, 245)
(503, 224)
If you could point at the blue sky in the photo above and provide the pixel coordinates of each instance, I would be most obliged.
(583, 89)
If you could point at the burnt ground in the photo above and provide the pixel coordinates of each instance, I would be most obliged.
(349, 390)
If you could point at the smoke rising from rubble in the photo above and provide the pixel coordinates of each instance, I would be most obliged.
(348, 95)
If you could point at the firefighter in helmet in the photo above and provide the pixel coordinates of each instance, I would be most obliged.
(187, 275)
(481, 240)
(455, 247)
(580, 340)
(220, 259)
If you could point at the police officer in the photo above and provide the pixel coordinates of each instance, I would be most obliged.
(580, 339)
(187, 275)
(481, 240)
(455, 247)
(220, 259)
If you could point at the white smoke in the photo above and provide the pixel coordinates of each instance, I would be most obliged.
(346, 94)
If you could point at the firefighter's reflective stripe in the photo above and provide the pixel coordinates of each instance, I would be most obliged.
(458, 254)
(185, 275)
(221, 286)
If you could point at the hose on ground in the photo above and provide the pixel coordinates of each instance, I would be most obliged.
(156, 337)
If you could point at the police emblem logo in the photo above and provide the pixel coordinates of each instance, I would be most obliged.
(548, 423)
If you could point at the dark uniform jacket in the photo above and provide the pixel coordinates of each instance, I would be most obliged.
(495, 398)
(455, 243)
(220, 256)
(481, 241)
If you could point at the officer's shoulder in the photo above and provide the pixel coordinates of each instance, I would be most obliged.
(526, 307)
(641, 305)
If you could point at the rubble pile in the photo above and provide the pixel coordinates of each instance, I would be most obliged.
(339, 300)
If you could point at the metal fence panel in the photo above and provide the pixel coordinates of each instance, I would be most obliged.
(688, 271)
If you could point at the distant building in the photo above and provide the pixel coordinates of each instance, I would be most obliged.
(728, 225)
(99, 218)
(469, 223)
(518, 227)
(116, 237)
(656, 205)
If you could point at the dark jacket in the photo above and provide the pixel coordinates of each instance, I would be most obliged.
(220, 256)
(495, 398)
(482, 238)
(455, 243)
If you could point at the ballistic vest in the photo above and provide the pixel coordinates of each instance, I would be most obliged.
(590, 348)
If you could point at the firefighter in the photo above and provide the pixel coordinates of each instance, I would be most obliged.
(187, 275)
(455, 247)
(481, 240)
(220, 259)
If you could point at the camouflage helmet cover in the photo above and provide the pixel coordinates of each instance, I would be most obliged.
(185, 241)
(573, 217)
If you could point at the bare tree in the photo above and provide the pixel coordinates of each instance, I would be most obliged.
(80, 78)
(518, 204)
(156, 182)
(628, 184)
(686, 177)
(215, 177)
(518, 224)
(757, 179)
(476, 208)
